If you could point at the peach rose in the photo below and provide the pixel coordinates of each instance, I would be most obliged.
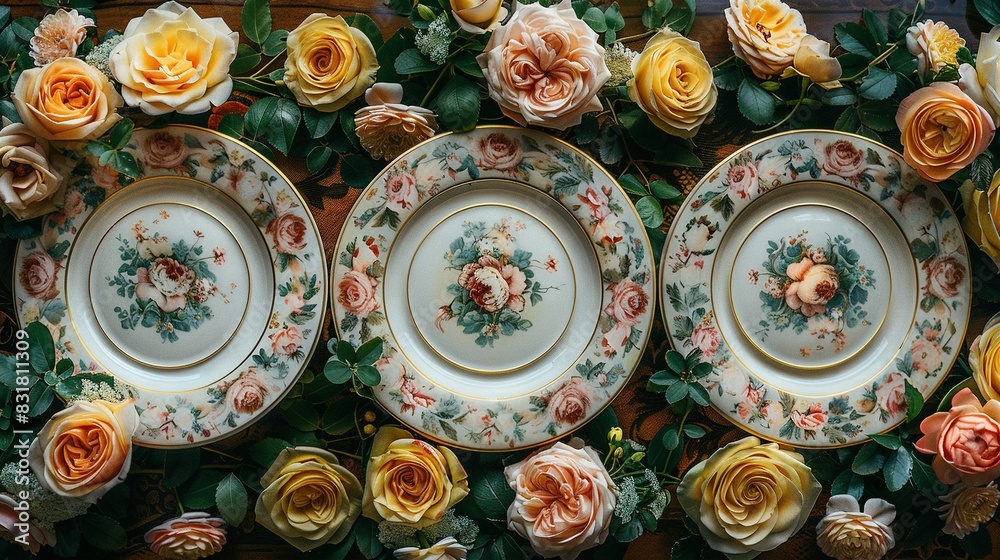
(387, 127)
(766, 34)
(672, 82)
(498, 151)
(309, 499)
(545, 66)
(329, 63)
(942, 129)
(965, 440)
(812, 419)
(104, 176)
(38, 275)
(166, 282)
(58, 35)
(945, 276)
(356, 292)
(982, 216)
(66, 100)
(409, 481)
(288, 232)
(163, 150)
(628, 302)
(748, 498)
(31, 174)
(812, 286)
(934, 44)
(564, 499)
(85, 449)
(401, 192)
(813, 60)
(28, 533)
(173, 60)
(842, 159)
(478, 16)
(286, 341)
(194, 534)
(984, 360)
(247, 393)
(570, 402)
(848, 532)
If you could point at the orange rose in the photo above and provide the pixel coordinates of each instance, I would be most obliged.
(192, 535)
(942, 130)
(86, 449)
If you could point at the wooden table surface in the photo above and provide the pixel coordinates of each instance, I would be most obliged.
(709, 30)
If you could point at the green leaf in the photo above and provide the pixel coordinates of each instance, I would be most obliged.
(345, 351)
(319, 123)
(869, 460)
(337, 372)
(371, 30)
(300, 415)
(897, 469)
(317, 158)
(276, 119)
(729, 76)
(458, 104)
(855, 39)
(231, 499)
(121, 133)
(366, 535)
(981, 171)
(879, 84)
(878, 115)
(257, 20)
(40, 396)
(369, 375)
(41, 349)
(265, 451)
(199, 493)
(755, 103)
(232, 125)
(888, 441)
(650, 211)
(275, 43)
(24, 28)
(694, 431)
(4, 15)
(632, 185)
(875, 27)
(411, 61)
(967, 383)
(247, 58)
(923, 477)
(666, 192)
(102, 532)
(848, 483)
(468, 64)
(978, 544)
(841, 96)
(671, 439)
(179, 465)
(677, 392)
(369, 352)
(338, 420)
(491, 493)
(914, 401)
(989, 9)
(356, 171)
(594, 17)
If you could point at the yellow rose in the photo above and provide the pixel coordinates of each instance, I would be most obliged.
(982, 81)
(984, 359)
(173, 60)
(308, 498)
(934, 44)
(747, 497)
(66, 100)
(982, 216)
(673, 83)
(31, 174)
(813, 60)
(478, 16)
(86, 449)
(942, 130)
(329, 63)
(765, 33)
(409, 481)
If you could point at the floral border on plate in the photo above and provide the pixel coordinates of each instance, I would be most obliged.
(603, 210)
(251, 388)
(936, 243)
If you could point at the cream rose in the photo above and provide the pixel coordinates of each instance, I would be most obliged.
(173, 60)
(967, 507)
(545, 66)
(329, 63)
(766, 34)
(409, 481)
(673, 83)
(984, 360)
(59, 34)
(386, 127)
(31, 174)
(747, 497)
(309, 499)
(934, 44)
(982, 81)
(942, 130)
(847, 532)
(813, 60)
(982, 216)
(564, 499)
(85, 449)
(66, 100)
(478, 16)
(193, 535)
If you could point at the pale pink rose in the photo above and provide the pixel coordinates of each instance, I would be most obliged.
(753, 396)
(742, 181)
(564, 499)
(516, 283)
(744, 410)
(773, 410)
(289, 233)
(247, 394)
(965, 440)
(401, 192)
(812, 419)
(597, 200)
(365, 253)
(628, 302)
(104, 176)
(926, 353)
(570, 402)
(294, 301)
(166, 283)
(841, 158)
(38, 275)
(608, 231)
(73, 204)
(356, 293)
(498, 151)
(733, 381)
(192, 535)
(545, 66)
(891, 395)
(614, 339)
(413, 398)
(945, 276)
(286, 341)
(705, 338)
(163, 150)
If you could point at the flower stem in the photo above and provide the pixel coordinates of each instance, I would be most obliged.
(177, 495)
(222, 453)
(430, 90)
(802, 95)
(636, 37)
(424, 543)
(874, 62)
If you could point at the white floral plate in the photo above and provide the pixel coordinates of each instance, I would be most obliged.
(818, 274)
(200, 284)
(511, 280)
